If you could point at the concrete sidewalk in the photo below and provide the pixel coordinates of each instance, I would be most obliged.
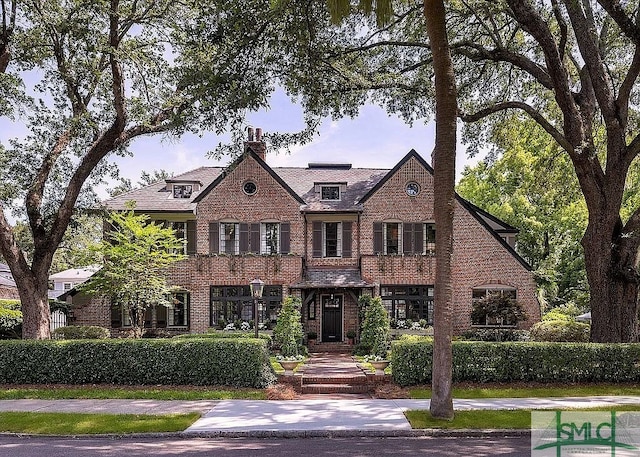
(273, 418)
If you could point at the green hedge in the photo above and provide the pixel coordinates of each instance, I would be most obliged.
(231, 362)
(81, 332)
(518, 361)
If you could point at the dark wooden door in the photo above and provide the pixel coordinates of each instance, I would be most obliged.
(331, 318)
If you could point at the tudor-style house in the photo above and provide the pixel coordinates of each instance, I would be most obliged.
(327, 233)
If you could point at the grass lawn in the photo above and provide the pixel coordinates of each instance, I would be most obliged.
(88, 424)
(526, 391)
(62, 392)
(488, 419)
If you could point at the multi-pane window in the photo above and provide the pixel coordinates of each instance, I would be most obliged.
(429, 239)
(330, 193)
(392, 237)
(332, 235)
(482, 293)
(178, 310)
(408, 302)
(270, 238)
(232, 303)
(182, 190)
(229, 238)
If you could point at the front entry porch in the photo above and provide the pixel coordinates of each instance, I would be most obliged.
(330, 306)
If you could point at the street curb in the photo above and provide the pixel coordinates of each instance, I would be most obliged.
(292, 434)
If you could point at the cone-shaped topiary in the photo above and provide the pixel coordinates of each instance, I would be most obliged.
(288, 331)
(375, 327)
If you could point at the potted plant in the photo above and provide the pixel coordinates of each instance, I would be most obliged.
(288, 334)
(351, 334)
(312, 336)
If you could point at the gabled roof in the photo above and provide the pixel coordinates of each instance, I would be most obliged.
(267, 168)
(358, 181)
(158, 197)
(405, 159)
(491, 223)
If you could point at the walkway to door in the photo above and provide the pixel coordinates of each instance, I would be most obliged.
(333, 374)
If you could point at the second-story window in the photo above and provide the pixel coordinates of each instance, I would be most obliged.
(392, 242)
(229, 238)
(330, 193)
(332, 235)
(182, 190)
(430, 238)
(270, 238)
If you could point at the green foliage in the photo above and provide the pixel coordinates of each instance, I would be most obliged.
(228, 335)
(288, 332)
(495, 334)
(136, 253)
(81, 332)
(560, 330)
(10, 319)
(230, 362)
(92, 423)
(375, 327)
(480, 362)
(532, 186)
(566, 312)
(499, 309)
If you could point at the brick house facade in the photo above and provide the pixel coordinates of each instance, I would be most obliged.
(327, 234)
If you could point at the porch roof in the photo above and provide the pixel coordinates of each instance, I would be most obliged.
(326, 278)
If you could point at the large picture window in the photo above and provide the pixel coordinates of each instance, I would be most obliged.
(503, 297)
(232, 303)
(408, 302)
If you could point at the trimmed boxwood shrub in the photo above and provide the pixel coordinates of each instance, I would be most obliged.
(81, 332)
(230, 362)
(519, 361)
(560, 330)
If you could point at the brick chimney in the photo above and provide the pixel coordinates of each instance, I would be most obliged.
(257, 145)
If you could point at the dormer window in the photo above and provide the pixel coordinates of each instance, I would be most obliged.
(182, 190)
(330, 193)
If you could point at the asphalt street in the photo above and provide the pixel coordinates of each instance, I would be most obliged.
(12, 446)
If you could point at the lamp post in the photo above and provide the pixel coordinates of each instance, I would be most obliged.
(256, 287)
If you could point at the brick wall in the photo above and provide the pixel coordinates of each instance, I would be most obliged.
(479, 258)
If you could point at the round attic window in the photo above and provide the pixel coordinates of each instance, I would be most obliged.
(412, 189)
(249, 188)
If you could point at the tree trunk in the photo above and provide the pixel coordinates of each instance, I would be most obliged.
(34, 301)
(444, 155)
(613, 279)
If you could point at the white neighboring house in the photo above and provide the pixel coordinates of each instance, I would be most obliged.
(66, 280)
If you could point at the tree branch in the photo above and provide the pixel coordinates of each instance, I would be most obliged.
(535, 115)
(618, 14)
(535, 25)
(8, 26)
(590, 51)
(626, 87)
(503, 55)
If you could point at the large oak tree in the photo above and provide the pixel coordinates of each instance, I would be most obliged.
(87, 77)
(570, 65)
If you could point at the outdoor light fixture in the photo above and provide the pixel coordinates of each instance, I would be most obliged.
(256, 287)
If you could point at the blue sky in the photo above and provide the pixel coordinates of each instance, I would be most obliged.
(373, 139)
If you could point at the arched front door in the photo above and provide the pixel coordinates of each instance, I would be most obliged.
(331, 318)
